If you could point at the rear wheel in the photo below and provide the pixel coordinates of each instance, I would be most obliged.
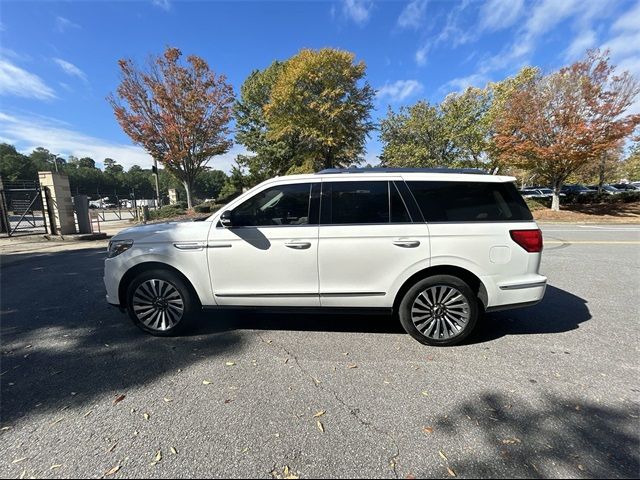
(161, 303)
(439, 310)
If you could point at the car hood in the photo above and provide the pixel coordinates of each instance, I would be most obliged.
(166, 232)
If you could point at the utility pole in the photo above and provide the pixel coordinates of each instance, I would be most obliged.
(155, 172)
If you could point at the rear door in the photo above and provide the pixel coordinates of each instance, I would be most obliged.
(368, 239)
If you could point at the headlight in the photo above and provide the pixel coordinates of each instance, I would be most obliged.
(116, 247)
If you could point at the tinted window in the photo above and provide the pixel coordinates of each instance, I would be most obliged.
(281, 205)
(355, 202)
(469, 201)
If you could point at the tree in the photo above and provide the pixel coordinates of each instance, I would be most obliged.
(452, 134)
(270, 157)
(555, 125)
(178, 113)
(416, 137)
(14, 165)
(111, 166)
(630, 168)
(319, 99)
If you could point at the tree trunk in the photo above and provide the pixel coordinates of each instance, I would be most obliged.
(602, 169)
(187, 187)
(555, 202)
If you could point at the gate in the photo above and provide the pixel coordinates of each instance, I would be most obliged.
(21, 208)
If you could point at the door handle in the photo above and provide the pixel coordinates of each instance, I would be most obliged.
(406, 243)
(298, 245)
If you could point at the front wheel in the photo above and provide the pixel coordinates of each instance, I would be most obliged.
(439, 310)
(161, 303)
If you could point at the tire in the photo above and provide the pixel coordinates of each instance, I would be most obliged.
(161, 303)
(450, 311)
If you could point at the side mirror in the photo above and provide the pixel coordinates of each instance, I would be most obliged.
(226, 219)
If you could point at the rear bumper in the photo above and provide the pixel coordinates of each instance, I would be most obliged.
(514, 293)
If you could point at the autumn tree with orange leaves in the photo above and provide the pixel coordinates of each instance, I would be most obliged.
(555, 125)
(179, 113)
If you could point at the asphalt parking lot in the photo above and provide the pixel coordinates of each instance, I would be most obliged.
(548, 391)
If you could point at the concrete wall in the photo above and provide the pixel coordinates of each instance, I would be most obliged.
(61, 203)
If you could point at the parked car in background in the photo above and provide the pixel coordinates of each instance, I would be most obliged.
(577, 190)
(532, 193)
(626, 187)
(438, 248)
(607, 189)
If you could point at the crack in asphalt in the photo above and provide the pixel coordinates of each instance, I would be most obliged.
(354, 412)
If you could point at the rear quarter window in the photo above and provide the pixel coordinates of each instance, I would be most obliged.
(469, 201)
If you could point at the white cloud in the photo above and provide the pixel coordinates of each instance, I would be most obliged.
(500, 14)
(18, 82)
(421, 54)
(163, 4)
(70, 69)
(587, 39)
(399, 90)
(412, 16)
(30, 132)
(462, 83)
(359, 11)
(63, 24)
(630, 20)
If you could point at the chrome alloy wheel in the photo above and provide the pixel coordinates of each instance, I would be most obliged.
(440, 312)
(158, 304)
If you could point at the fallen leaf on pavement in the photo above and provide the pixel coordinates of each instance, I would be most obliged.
(157, 459)
(451, 471)
(580, 467)
(207, 382)
(167, 400)
(425, 393)
(511, 441)
(88, 413)
(146, 416)
(119, 399)
(352, 365)
(113, 471)
(5, 429)
(443, 456)
(18, 460)
(174, 451)
(112, 447)
(57, 421)
(230, 364)
(53, 467)
(320, 426)
(319, 414)
(427, 429)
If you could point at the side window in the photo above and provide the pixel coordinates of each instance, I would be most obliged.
(280, 205)
(355, 202)
(469, 201)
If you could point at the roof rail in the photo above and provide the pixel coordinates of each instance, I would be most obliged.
(475, 171)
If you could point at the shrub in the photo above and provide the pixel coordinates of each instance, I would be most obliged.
(538, 203)
(203, 208)
(168, 211)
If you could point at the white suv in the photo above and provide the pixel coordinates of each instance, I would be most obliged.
(436, 247)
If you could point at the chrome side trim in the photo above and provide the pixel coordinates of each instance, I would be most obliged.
(354, 294)
(189, 245)
(522, 285)
(343, 294)
(219, 245)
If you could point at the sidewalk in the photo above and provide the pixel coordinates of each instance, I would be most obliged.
(35, 243)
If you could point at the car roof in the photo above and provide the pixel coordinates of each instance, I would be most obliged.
(451, 175)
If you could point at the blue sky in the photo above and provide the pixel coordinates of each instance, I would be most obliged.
(58, 60)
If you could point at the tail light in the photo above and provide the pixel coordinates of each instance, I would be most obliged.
(530, 240)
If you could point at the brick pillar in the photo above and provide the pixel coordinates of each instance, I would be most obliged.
(61, 203)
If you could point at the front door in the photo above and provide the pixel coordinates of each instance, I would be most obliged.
(269, 257)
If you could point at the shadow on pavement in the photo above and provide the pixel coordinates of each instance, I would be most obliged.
(60, 336)
(555, 437)
(559, 311)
